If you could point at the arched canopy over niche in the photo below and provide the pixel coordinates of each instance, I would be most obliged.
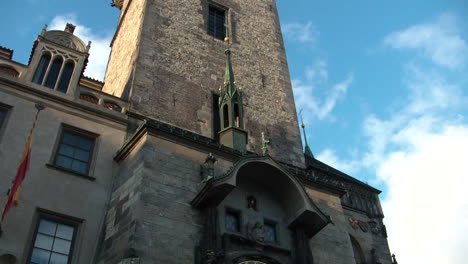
(299, 208)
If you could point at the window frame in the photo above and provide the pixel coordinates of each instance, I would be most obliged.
(238, 213)
(3, 123)
(212, 4)
(274, 224)
(42, 214)
(80, 132)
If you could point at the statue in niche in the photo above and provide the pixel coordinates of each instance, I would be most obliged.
(252, 203)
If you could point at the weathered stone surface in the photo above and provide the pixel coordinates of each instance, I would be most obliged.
(179, 66)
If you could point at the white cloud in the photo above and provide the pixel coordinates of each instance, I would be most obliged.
(420, 151)
(316, 80)
(440, 41)
(100, 50)
(302, 33)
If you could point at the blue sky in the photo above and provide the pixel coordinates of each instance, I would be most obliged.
(383, 87)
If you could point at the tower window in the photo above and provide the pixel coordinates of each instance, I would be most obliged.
(216, 21)
(216, 121)
(54, 72)
(41, 69)
(66, 76)
(225, 116)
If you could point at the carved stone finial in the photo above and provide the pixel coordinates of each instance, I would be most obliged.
(265, 143)
(117, 3)
(44, 30)
(88, 47)
(70, 28)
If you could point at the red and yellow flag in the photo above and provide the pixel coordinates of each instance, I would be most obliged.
(23, 168)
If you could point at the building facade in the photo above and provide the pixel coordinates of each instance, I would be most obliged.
(188, 152)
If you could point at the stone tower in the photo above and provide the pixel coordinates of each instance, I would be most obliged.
(168, 58)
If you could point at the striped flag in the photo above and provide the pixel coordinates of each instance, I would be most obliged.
(23, 168)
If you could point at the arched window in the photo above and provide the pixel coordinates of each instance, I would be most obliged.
(41, 69)
(237, 116)
(54, 72)
(66, 76)
(357, 250)
(225, 116)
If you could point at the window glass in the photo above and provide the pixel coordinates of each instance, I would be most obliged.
(65, 78)
(270, 232)
(41, 69)
(232, 221)
(74, 152)
(53, 73)
(52, 243)
(216, 21)
(2, 116)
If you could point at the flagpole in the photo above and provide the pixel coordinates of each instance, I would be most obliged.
(14, 191)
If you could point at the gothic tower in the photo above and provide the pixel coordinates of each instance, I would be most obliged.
(167, 60)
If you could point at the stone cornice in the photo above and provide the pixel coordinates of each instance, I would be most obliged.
(331, 179)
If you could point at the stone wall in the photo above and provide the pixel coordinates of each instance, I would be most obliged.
(150, 207)
(180, 66)
(124, 48)
(46, 189)
(333, 243)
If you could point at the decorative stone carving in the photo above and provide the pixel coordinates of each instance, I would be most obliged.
(363, 225)
(257, 232)
(375, 227)
(64, 41)
(353, 222)
(208, 168)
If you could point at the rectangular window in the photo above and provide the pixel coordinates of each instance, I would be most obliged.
(52, 243)
(216, 21)
(270, 232)
(232, 221)
(3, 113)
(75, 151)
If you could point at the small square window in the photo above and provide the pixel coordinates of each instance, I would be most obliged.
(74, 151)
(232, 221)
(216, 21)
(270, 232)
(52, 242)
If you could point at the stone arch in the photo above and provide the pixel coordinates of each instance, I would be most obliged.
(357, 251)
